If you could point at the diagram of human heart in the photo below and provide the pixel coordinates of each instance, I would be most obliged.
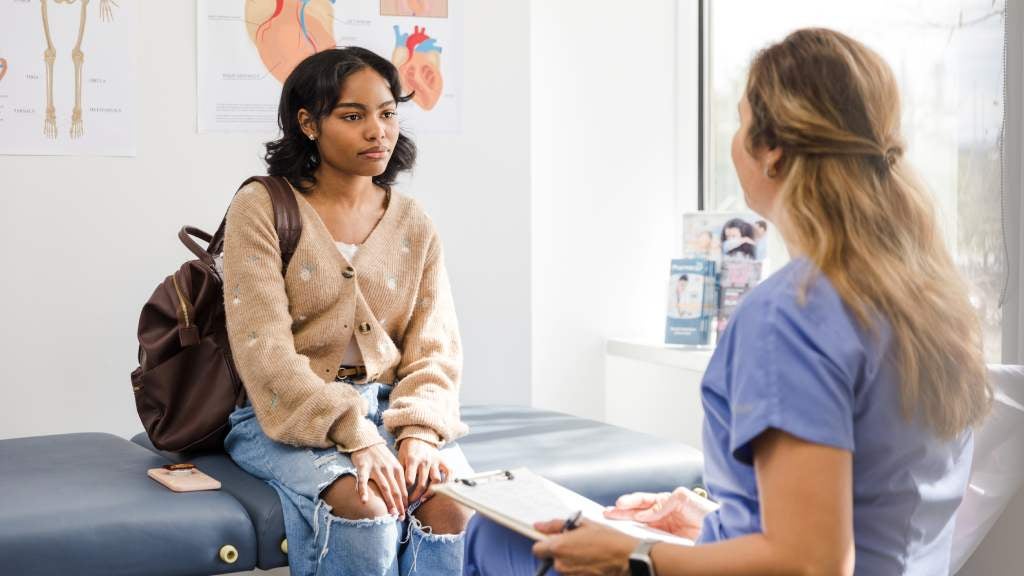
(287, 31)
(418, 59)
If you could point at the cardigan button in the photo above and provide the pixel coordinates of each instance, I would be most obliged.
(349, 272)
(364, 328)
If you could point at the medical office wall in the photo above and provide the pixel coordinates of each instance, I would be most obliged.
(87, 238)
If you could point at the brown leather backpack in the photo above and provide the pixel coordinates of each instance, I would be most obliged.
(186, 384)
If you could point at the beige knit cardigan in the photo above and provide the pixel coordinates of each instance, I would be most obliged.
(289, 333)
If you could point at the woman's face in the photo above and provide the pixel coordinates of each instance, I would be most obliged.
(359, 135)
(759, 190)
(733, 233)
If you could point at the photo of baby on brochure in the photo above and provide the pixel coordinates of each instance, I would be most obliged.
(725, 235)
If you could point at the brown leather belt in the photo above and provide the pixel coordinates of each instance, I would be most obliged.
(351, 372)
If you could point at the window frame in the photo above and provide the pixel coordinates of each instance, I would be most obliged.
(1013, 182)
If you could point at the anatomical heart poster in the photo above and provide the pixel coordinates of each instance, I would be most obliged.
(67, 77)
(247, 48)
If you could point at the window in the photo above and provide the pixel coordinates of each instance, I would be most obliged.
(947, 56)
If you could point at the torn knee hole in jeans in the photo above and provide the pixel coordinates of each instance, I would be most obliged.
(427, 533)
(330, 520)
(362, 522)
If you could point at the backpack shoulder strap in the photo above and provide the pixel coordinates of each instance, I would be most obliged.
(287, 219)
(286, 214)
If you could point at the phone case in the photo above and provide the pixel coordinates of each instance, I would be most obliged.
(192, 481)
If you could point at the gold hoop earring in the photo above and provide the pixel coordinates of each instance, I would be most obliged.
(769, 172)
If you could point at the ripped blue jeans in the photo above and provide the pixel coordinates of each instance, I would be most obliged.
(320, 543)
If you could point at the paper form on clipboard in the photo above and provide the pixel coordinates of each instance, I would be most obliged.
(517, 498)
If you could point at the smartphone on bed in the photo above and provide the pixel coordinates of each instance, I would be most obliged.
(183, 478)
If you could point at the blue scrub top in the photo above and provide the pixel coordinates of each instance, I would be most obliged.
(806, 367)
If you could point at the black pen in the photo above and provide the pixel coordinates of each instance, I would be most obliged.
(570, 524)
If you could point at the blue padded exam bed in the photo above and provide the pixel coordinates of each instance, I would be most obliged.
(82, 503)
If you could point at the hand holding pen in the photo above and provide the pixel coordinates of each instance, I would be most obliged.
(570, 524)
(588, 547)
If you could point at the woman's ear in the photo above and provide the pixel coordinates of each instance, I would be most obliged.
(771, 160)
(306, 123)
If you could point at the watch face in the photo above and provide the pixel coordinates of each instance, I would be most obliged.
(640, 567)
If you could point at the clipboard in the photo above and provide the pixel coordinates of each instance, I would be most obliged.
(517, 498)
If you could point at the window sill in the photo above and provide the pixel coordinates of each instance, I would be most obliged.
(685, 358)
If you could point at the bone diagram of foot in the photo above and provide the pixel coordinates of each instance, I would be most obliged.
(49, 56)
(77, 129)
(78, 57)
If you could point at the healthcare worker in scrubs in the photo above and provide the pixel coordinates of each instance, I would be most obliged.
(840, 399)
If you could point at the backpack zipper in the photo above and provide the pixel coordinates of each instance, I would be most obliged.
(181, 299)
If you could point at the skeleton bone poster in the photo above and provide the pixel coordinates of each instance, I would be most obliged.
(247, 48)
(67, 77)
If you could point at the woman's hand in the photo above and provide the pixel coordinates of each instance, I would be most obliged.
(589, 549)
(422, 464)
(377, 463)
(682, 512)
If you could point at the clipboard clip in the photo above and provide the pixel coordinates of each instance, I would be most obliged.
(506, 474)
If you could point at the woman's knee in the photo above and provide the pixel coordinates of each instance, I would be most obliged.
(443, 515)
(343, 498)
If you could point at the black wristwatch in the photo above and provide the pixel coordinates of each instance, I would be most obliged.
(640, 563)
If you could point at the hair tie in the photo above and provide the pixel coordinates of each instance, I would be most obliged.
(892, 155)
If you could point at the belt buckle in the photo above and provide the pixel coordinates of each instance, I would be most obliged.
(353, 372)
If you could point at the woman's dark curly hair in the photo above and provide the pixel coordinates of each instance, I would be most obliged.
(316, 85)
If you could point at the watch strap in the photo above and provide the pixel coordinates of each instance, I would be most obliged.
(640, 559)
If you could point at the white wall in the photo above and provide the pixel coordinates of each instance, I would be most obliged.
(86, 239)
(659, 399)
(603, 153)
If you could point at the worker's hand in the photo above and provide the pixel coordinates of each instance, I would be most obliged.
(589, 549)
(681, 512)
